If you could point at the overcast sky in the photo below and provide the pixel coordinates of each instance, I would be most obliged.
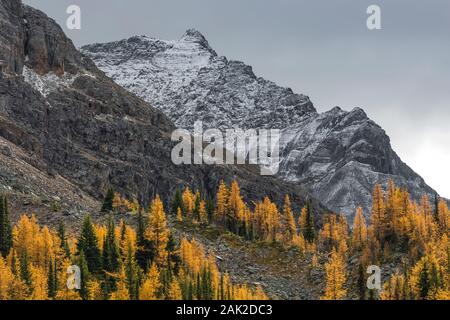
(399, 75)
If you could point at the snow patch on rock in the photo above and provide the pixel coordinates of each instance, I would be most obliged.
(49, 82)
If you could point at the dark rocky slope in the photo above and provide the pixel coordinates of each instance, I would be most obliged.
(68, 122)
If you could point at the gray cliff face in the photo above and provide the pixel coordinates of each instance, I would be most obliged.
(11, 36)
(67, 132)
(341, 156)
(338, 155)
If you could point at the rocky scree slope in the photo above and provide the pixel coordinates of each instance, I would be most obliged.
(338, 155)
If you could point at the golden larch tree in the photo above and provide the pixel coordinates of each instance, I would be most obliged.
(174, 291)
(378, 212)
(150, 288)
(157, 231)
(188, 199)
(335, 270)
(290, 228)
(38, 284)
(359, 235)
(222, 202)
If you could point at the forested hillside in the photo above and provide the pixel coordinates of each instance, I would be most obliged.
(142, 259)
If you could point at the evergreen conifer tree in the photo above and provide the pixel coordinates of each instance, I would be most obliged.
(309, 232)
(111, 253)
(88, 244)
(177, 203)
(84, 275)
(63, 238)
(52, 281)
(5, 228)
(108, 201)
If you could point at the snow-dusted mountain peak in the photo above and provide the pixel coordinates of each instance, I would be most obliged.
(340, 155)
(193, 35)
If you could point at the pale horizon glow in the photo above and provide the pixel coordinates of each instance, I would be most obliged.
(427, 161)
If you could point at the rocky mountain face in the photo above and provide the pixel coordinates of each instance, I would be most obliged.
(338, 155)
(68, 132)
